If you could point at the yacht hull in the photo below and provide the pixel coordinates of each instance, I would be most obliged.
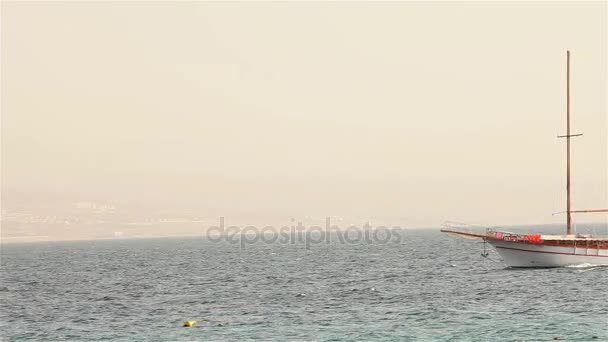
(521, 254)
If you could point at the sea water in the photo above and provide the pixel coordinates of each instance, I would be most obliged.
(427, 287)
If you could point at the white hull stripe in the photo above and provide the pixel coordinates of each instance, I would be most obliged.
(547, 252)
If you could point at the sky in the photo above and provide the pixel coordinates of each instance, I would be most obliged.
(419, 112)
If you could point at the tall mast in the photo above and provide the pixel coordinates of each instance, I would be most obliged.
(568, 210)
(568, 136)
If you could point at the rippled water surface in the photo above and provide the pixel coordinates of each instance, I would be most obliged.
(428, 287)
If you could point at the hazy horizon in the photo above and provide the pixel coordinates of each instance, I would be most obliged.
(409, 112)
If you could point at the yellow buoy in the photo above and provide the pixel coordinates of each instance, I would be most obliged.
(189, 323)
